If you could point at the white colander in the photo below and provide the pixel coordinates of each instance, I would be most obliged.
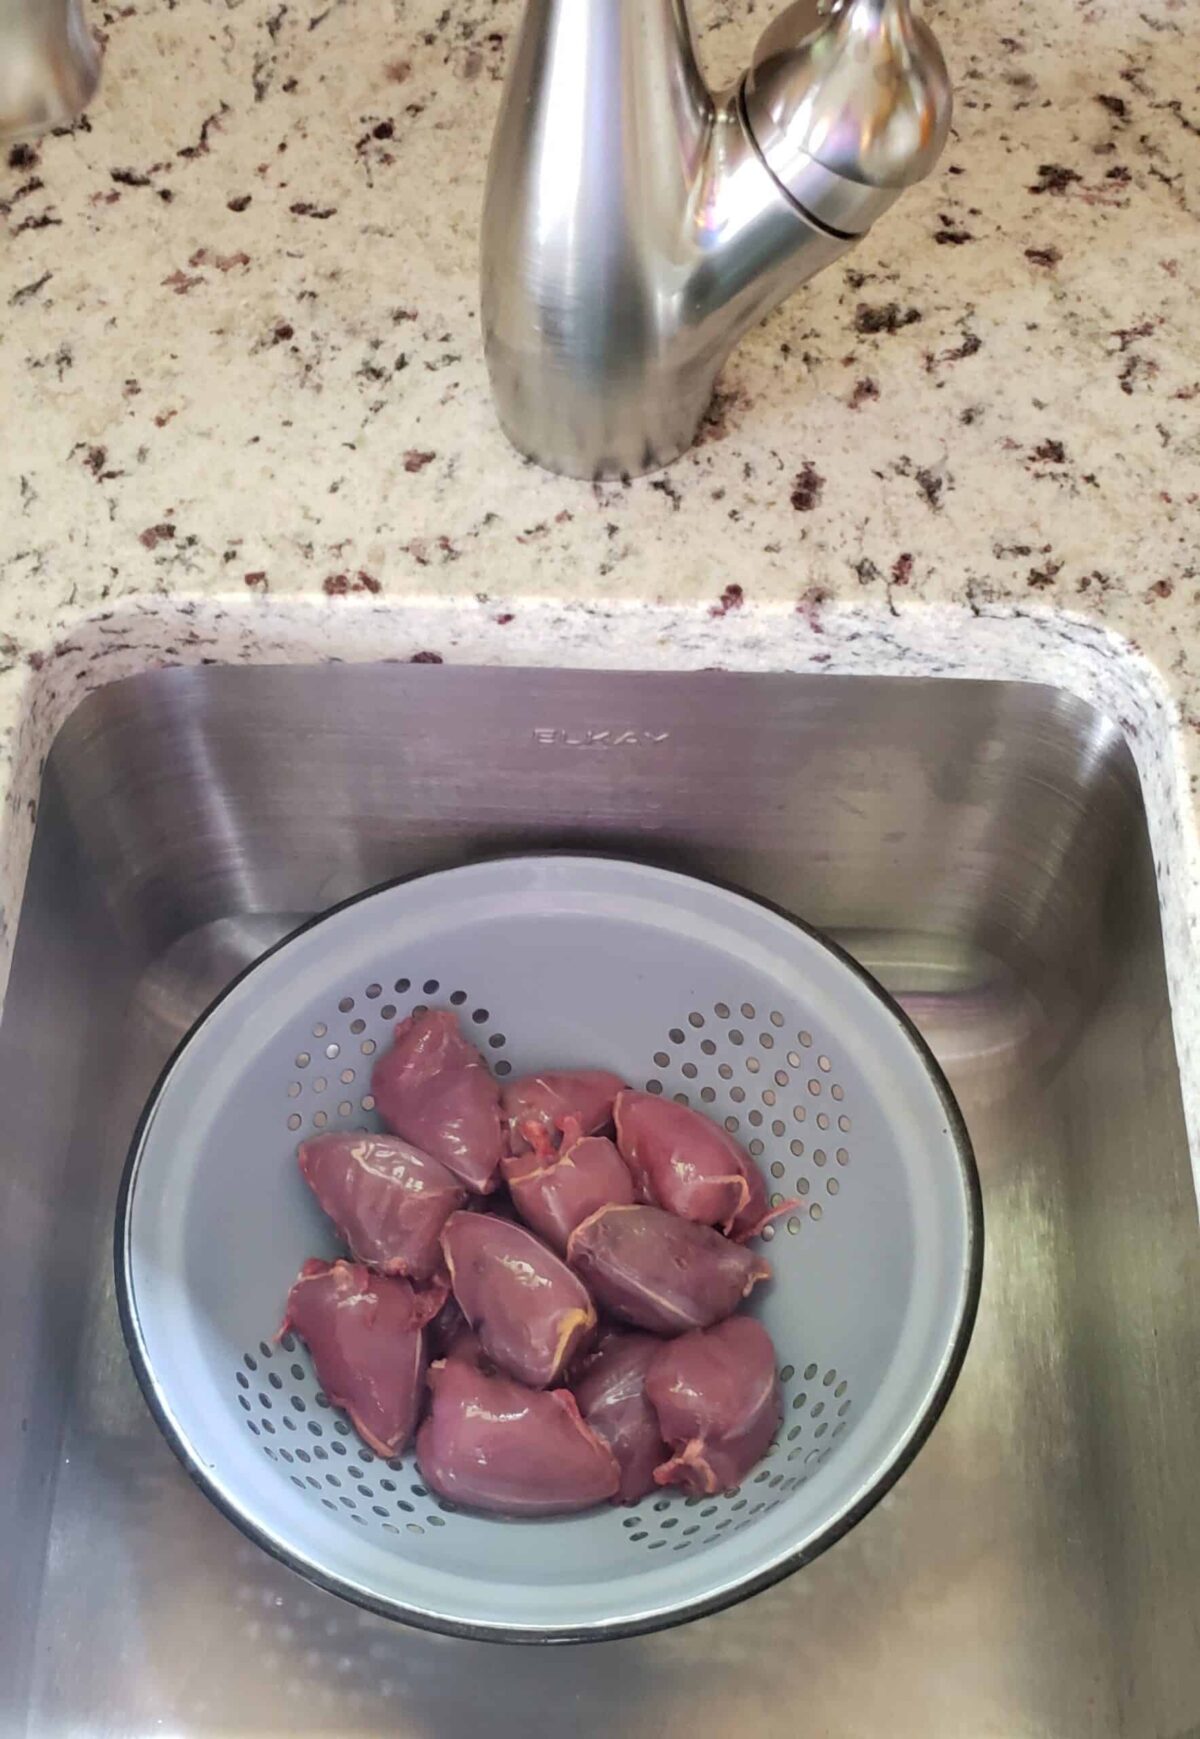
(679, 986)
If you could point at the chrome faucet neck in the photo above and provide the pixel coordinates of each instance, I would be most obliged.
(635, 225)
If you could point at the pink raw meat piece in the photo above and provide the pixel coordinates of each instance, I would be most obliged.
(366, 1336)
(529, 1311)
(553, 1191)
(446, 1327)
(718, 1403)
(612, 1398)
(431, 1298)
(682, 1160)
(494, 1445)
(434, 1089)
(550, 1098)
(389, 1201)
(659, 1272)
(757, 1211)
(691, 1166)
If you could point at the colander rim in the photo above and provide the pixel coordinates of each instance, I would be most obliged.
(897, 1463)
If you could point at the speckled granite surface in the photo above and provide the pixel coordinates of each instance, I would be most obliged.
(246, 414)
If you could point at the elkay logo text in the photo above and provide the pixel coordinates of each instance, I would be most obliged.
(554, 736)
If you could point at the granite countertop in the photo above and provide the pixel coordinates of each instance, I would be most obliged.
(247, 415)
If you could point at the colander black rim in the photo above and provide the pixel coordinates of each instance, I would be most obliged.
(616, 1629)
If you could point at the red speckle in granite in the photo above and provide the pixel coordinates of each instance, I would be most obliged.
(1048, 257)
(1050, 453)
(721, 414)
(1134, 369)
(1127, 335)
(971, 345)
(398, 71)
(1161, 589)
(889, 317)
(809, 606)
(864, 390)
(732, 598)
(342, 586)
(257, 581)
(1040, 578)
(931, 486)
(506, 618)
(1054, 178)
(182, 282)
(239, 203)
(808, 486)
(163, 418)
(202, 147)
(416, 460)
(95, 460)
(156, 534)
(902, 569)
(427, 658)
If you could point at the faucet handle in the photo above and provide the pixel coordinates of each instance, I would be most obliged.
(849, 103)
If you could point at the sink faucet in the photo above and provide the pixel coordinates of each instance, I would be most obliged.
(49, 65)
(636, 224)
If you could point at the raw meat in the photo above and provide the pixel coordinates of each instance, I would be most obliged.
(434, 1089)
(529, 1311)
(681, 1160)
(493, 1445)
(691, 1166)
(718, 1403)
(758, 1211)
(366, 1336)
(612, 1398)
(662, 1273)
(550, 1098)
(388, 1201)
(553, 1191)
(431, 1299)
(446, 1328)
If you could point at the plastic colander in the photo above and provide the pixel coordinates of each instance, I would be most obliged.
(681, 987)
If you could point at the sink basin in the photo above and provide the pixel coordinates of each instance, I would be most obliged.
(980, 846)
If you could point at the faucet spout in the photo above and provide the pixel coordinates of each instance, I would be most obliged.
(635, 227)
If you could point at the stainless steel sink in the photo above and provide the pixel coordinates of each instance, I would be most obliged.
(982, 847)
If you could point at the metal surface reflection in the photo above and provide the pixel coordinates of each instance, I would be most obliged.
(636, 225)
(982, 847)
